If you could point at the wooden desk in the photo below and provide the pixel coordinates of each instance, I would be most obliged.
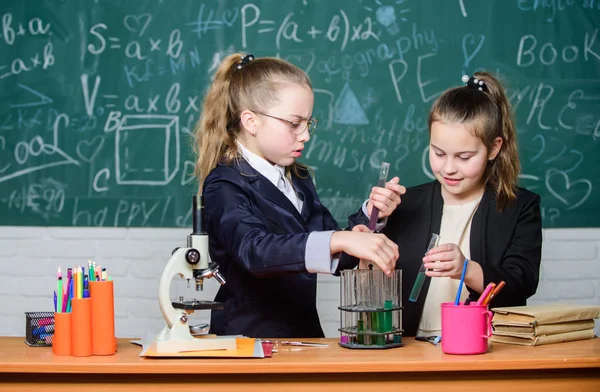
(565, 367)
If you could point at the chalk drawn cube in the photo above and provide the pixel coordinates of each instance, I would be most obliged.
(147, 149)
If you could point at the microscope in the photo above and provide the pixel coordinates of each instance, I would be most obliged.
(191, 262)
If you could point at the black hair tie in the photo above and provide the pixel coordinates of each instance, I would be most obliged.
(473, 82)
(245, 60)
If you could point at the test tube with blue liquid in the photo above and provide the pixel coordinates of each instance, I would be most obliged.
(416, 289)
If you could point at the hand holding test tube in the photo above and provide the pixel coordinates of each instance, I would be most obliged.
(414, 293)
(383, 173)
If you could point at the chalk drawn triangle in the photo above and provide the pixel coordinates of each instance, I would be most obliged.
(347, 109)
(42, 98)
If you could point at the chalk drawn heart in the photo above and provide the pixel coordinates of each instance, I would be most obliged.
(230, 16)
(469, 39)
(568, 189)
(304, 61)
(88, 149)
(137, 23)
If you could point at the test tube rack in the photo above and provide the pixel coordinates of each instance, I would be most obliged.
(370, 309)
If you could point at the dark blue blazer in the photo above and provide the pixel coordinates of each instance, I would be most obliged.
(258, 238)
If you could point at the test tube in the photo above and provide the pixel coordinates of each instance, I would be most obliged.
(388, 302)
(380, 281)
(416, 289)
(363, 301)
(397, 301)
(383, 173)
(345, 299)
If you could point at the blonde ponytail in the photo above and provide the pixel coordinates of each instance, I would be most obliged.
(214, 132)
(503, 171)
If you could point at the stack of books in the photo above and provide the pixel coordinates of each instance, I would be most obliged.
(544, 324)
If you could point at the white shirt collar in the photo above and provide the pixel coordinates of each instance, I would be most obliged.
(271, 172)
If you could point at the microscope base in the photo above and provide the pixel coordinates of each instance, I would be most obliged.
(195, 344)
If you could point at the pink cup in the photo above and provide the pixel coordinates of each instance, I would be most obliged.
(465, 329)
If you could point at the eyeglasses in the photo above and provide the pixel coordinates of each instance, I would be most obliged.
(299, 126)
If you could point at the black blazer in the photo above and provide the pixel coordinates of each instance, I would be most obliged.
(258, 238)
(507, 244)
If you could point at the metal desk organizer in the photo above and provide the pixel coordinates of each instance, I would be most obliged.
(371, 309)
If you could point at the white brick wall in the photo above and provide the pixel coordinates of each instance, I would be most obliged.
(29, 257)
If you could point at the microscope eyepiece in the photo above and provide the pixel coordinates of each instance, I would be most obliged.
(198, 216)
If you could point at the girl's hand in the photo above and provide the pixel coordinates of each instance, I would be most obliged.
(386, 199)
(445, 260)
(363, 264)
(365, 245)
(361, 229)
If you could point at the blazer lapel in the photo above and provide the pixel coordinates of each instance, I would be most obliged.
(306, 195)
(265, 188)
(478, 232)
(437, 208)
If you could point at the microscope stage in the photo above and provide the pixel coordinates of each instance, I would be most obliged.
(195, 305)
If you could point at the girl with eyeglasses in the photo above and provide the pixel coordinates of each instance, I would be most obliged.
(268, 231)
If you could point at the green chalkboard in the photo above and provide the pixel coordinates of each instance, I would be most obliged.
(98, 97)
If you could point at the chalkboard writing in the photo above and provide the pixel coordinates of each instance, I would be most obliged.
(99, 98)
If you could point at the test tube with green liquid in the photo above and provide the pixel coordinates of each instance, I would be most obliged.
(360, 327)
(379, 293)
(382, 322)
(378, 326)
(387, 316)
(416, 289)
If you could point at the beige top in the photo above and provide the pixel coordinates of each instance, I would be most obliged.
(455, 228)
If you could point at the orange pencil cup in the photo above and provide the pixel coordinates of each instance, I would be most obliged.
(61, 341)
(103, 317)
(81, 327)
